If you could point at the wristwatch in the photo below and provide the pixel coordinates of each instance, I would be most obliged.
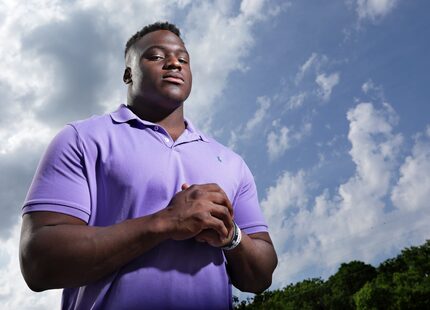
(237, 237)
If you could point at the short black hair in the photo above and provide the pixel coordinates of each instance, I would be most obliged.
(150, 28)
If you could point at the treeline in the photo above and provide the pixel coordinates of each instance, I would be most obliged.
(398, 283)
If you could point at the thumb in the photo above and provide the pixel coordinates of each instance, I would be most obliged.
(184, 186)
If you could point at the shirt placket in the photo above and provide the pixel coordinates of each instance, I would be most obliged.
(163, 135)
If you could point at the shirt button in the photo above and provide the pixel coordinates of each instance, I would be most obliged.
(156, 128)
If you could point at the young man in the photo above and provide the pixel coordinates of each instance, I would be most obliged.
(112, 218)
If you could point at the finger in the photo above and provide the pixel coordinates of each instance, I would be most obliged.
(217, 225)
(209, 187)
(221, 198)
(210, 237)
(213, 193)
(222, 213)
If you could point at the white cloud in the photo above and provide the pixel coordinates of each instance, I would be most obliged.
(288, 194)
(209, 30)
(326, 84)
(305, 67)
(314, 235)
(259, 115)
(305, 130)
(375, 91)
(374, 9)
(282, 138)
(245, 132)
(367, 86)
(374, 148)
(251, 7)
(278, 142)
(24, 131)
(296, 101)
(412, 191)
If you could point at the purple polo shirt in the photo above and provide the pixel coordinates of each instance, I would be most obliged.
(114, 167)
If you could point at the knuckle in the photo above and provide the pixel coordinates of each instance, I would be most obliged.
(197, 193)
(199, 204)
(216, 186)
(202, 217)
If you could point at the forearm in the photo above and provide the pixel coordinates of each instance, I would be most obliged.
(67, 255)
(251, 264)
(59, 250)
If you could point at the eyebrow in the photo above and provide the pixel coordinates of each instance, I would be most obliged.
(180, 50)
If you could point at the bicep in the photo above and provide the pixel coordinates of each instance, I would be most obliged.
(35, 220)
(263, 236)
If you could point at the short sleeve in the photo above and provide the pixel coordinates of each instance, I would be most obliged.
(247, 211)
(60, 183)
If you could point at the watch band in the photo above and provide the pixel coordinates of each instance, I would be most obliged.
(237, 237)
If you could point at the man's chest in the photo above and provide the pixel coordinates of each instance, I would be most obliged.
(135, 167)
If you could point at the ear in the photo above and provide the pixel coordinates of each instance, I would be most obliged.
(127, 76)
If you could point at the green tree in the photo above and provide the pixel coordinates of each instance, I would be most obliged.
(373, 297)
(402, 282)
(349, 279)
(307, 294)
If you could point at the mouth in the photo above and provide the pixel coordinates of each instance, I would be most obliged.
(173, 77)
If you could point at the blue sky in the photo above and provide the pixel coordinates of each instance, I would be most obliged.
(327, 101)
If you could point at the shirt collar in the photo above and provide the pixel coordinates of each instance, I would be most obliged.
(123, 114)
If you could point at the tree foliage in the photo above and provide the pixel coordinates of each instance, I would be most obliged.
(402, 282)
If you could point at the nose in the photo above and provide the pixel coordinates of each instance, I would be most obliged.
(172, 63)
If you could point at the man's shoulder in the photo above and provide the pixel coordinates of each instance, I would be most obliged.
(96, 128)
(91, 123)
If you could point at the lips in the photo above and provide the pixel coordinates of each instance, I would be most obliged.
(173, 77)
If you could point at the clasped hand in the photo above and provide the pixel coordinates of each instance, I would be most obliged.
(203, 212)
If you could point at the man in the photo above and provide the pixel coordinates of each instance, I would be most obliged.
(112, 218)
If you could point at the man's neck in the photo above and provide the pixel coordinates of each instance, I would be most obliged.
(172, 121)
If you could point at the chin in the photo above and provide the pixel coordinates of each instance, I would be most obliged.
(178, 98)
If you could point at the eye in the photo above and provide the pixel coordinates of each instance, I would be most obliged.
(183, 60)
(155, 57)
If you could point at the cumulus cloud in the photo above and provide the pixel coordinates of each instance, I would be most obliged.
(367, 86)
(77, 52)
(278, 142)
(374, 91)
(326, 84)
(313, 234)
(282, 138)
(251, 7)
(374, 9)
(412, 190)
(245, 132)
(259, 115)
(23, 141)
(281, 200)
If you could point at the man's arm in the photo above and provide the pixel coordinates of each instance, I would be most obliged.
(251, 264)
(58, 250)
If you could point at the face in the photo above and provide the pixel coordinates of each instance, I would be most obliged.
(158, 70)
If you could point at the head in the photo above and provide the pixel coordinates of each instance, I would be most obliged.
(157, 70)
